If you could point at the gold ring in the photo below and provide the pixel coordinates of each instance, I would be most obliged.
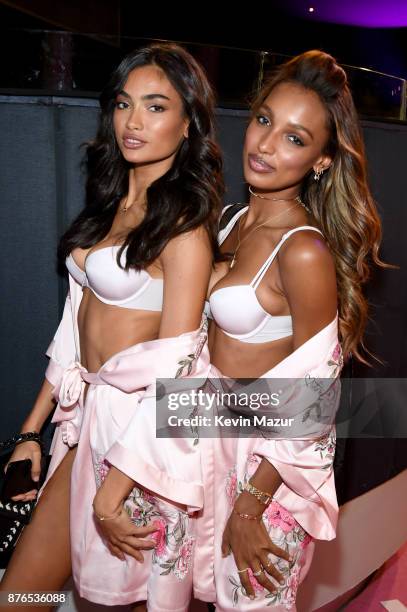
(243, 570)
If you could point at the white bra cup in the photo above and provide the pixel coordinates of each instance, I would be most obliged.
(75, 271)
(134, 289)
(236, 309)
(111, 283)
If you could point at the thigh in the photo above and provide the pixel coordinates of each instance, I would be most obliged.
(42, 560)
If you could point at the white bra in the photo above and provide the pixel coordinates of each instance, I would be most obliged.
(113, 285)
(236, 309)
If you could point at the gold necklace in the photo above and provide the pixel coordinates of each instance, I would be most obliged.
(125, 207)
(240, 242)
(297, 198)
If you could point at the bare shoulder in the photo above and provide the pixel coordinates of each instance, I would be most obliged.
(191, 245)
(308, 277)
(304, 251)
(187, 263)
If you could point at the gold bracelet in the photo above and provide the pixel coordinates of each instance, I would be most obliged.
(249, 517)
(108, 518)
(264, 498)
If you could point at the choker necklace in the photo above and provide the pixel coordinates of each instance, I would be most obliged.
(297, 198)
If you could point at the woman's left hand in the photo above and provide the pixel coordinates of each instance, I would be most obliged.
(121, 536)
(251, 545)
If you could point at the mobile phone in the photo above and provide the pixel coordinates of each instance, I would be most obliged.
(18, 479)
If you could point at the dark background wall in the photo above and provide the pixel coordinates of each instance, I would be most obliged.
(283, 26)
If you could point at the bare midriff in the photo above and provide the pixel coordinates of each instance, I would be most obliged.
(105, 330)
(238, 359)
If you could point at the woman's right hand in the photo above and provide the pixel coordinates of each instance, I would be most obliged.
(122, 537)
(27, 450)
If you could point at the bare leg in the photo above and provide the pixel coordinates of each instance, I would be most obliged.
(42, 557)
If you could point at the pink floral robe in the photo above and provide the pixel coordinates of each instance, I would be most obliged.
(116, 426)
(304, 507)
(104, 429)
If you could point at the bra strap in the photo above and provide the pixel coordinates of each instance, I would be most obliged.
(260, 274)
(237, 210)
(228, 213)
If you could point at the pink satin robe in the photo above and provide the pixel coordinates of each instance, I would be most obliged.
(102, 426)
(116, 426)
(304, 507)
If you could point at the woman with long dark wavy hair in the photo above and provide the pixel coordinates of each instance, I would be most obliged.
(287, 310)
(139, 257)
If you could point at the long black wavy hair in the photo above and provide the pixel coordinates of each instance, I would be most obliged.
(187, 196)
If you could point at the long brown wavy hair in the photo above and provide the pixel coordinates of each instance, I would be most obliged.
(340, 201)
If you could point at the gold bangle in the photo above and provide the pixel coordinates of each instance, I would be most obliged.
(249, 517)
(108, 518)
(261, 496)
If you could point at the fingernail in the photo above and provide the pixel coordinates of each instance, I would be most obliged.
(282, 581)
(251, 596)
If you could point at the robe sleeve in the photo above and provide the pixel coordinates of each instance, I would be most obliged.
(168, 466)
(303, 465)
(308, 487)
(62, 350)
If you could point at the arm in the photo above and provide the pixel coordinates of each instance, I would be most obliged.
(308, 281)
(61, 352)
(186, 263)
(43, 406)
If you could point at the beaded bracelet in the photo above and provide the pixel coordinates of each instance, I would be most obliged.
(249, 517)
(19, 438)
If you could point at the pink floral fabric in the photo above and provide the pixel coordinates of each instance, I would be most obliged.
(286, 533)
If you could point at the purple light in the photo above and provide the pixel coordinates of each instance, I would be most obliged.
(366, 13)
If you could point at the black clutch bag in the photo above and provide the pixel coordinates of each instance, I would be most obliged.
(18, 479)
(14, 515)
